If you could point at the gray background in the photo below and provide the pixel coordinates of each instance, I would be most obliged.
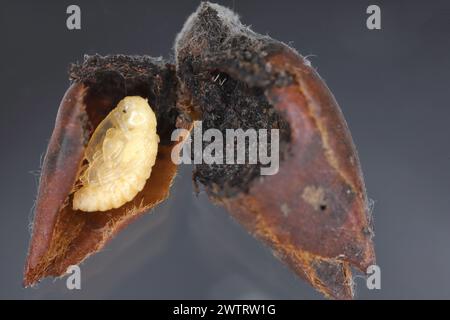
(393, 88)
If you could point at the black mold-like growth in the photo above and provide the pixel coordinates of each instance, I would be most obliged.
(221, 64)
(116, 76)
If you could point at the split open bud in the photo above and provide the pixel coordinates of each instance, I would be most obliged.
(313, 213)
(86, 148)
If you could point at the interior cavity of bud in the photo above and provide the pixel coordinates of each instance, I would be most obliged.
(120, 156)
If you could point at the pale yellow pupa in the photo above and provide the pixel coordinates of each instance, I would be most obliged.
(120, 155)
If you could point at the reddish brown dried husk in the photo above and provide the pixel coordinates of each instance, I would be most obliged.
(61, 236)
(313, 213)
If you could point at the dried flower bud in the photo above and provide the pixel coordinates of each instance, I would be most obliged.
(313, 213)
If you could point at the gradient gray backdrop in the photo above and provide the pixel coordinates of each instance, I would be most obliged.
(393, 86)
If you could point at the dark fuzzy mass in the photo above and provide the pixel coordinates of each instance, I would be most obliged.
(221, 63)
(227, 103)
(117, 76)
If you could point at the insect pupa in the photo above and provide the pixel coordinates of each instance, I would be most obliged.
(120, 156)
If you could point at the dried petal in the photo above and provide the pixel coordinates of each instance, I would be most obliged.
(62, 236)
(313, 213)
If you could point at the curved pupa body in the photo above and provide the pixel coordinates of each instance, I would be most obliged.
(120, 155)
